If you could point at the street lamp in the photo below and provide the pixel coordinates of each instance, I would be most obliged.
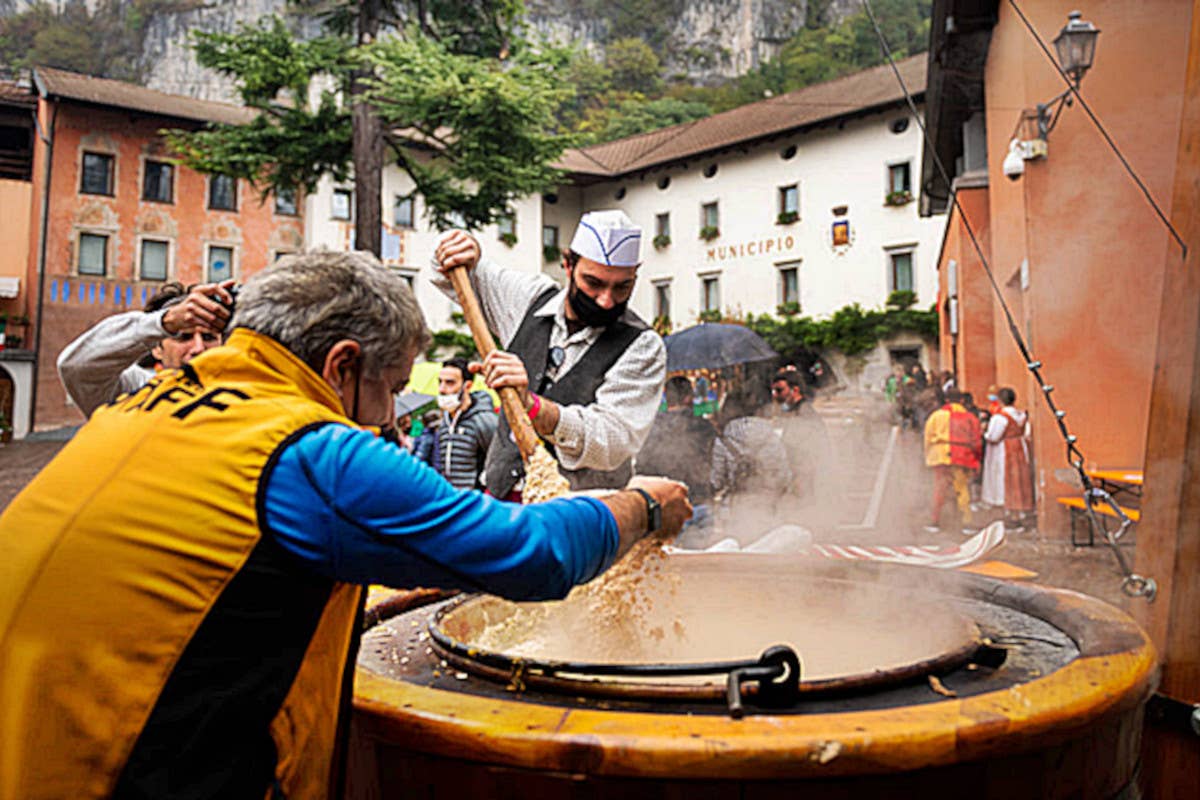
(1076, 46)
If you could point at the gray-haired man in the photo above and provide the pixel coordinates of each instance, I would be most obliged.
(217, 530)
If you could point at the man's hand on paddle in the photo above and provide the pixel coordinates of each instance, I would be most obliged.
(504, 369)
(457, 249)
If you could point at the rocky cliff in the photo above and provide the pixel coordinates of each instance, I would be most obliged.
(702, 41)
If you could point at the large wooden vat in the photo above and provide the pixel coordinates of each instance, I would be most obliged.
(1062, 718)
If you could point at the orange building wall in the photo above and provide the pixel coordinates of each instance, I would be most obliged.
(970, 355)
(1095, 248)
(15, 197)
(255, 233)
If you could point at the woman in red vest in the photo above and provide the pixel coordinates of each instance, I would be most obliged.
(1007, 478)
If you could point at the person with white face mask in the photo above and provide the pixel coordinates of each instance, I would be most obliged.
(468, 425)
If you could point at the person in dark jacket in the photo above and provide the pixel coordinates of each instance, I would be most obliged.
(425, 443)
(468, 425)
(680, 444)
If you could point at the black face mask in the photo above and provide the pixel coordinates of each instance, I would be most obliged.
(589, 312)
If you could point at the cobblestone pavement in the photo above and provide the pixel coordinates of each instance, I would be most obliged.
(859, 429)
(19, 462)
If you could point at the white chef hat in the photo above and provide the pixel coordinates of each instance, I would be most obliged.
(609, 237)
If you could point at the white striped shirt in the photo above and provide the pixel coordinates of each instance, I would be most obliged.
(608, 431)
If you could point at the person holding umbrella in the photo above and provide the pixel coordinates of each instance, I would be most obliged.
(589, 370)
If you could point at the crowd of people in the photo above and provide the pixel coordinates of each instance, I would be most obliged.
(773, 456)
(981, 456)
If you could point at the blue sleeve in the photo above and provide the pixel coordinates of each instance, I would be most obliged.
(361, 510)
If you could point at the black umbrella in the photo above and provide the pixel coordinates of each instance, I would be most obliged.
(410, 402)
(713, 345)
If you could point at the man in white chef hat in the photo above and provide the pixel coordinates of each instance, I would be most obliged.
(589, 370)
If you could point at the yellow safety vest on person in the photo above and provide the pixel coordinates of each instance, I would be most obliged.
(137, 594)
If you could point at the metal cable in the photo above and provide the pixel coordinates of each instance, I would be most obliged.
(1133, 584)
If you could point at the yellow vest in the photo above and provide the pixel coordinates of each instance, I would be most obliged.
(118, 551)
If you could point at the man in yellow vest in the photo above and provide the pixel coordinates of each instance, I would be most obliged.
(180, 586)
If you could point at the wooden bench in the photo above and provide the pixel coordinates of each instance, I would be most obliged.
(1078, 508)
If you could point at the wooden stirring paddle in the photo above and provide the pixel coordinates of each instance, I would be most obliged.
(542, 478)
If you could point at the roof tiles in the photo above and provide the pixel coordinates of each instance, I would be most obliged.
(811, 105)
(12, 93)
(118, 94)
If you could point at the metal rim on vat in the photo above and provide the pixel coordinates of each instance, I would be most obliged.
(773, 680)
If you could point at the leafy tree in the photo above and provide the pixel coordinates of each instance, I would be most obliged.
(635, 116)
(633, 66)
(292, 142)
(851, 329)
(467, 106)
(491, 129)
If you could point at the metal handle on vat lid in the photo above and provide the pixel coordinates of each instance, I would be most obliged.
(778, 676)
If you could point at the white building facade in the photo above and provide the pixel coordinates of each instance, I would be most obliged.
(761, 257)
(806, 201)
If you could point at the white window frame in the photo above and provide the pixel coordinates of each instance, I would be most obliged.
(887, 175)
(780, 287)
(704, 277)
(511, 218)
(237, 194)
(895, 250)
(716, 204)
(409, 275)
(296, 204)
(112, 172)
(141, 189)
(234, 259)
(109, 237)
(780, 196)
(659, 228)
(659, 286)
(141, 243)
(411, 199)
(349, 204)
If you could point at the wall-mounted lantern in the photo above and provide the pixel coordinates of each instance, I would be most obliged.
(1076, 48)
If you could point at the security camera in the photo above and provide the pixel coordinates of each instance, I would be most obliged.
(1014, 162)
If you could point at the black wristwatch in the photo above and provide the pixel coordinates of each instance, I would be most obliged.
(653, 511)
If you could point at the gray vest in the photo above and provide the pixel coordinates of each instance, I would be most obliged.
(577, 386)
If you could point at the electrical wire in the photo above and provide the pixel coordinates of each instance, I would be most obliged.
(1074, 89)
